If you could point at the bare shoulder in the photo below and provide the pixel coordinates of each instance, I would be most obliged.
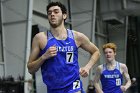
(78, 35)
(123, 67)
(41, 39)
(80, 38)
(40, 35)
(99, 68)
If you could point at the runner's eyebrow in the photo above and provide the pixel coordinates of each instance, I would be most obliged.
(53, 10)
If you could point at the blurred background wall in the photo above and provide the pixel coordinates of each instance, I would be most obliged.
(101, 20)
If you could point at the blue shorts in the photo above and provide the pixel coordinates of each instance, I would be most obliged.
(73, 88)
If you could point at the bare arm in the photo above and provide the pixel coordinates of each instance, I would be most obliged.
(35, 62)
(97, 80)
(126, 76)
(88, 46)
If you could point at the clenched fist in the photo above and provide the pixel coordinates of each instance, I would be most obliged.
(51, 52)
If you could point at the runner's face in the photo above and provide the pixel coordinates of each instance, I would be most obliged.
(109, 54)
(55, 16)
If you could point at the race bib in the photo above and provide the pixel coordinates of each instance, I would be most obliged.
(76, 84)
(118, 82)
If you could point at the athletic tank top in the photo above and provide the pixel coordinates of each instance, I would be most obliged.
(63, 69)
(111, 80)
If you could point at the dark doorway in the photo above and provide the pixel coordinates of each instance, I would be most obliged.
(35, 30)
(133, 48)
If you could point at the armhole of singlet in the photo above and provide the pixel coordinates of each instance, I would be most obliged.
(42, 50)
(47, 33)
(103, 68)
(118, 66)
(71, 35)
